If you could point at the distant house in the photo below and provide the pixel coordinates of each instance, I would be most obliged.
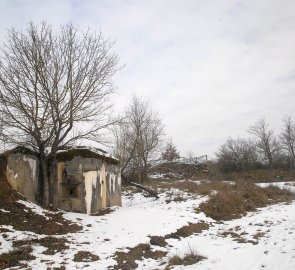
(87, 179)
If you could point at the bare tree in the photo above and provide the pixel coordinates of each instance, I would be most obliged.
(137, 139)
(190, 156)
(266, 141)
(170, 152)
(237, 155)
(54, 90)
(288, 139)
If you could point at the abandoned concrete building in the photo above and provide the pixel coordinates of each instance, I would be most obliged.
(87, 179)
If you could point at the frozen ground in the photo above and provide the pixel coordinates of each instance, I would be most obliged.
(261, 240)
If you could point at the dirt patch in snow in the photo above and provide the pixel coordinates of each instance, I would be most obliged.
(238, 237)
(188, 230)
(17, 257)
(85, 256)
(127, 260)
(24, 219)
(158, 241)
(53, 244)
(187, 259)
(103, 212)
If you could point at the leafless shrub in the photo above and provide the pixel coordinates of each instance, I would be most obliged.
(170, 152)
(237, 155)
(266, 142)
(288, 140)
(137, 139)
(191, 257)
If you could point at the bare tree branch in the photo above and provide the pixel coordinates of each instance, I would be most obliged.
(52, 83)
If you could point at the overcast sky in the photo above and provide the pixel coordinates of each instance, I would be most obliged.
(211, 68)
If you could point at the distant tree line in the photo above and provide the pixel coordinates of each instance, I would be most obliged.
(264, 150)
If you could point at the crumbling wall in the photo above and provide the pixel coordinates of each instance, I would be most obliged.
(94, 185)
(22, 174)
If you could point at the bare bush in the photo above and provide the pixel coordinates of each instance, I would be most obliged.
(137, 139)
(266, 142)
(170, 152)
(237, 155)
(288, 140)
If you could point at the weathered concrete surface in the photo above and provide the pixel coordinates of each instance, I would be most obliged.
(88, 185)
(82, 184)
(22, 174)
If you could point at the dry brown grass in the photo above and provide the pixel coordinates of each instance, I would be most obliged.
(190, 258)
(16, 257)
(188, 230)
(190, 186)
(258, 235)
(257, 175)
(238, 237)
(158, 241)
(127, 260)
(234, 201)
(31, 221)
(103, 212)
(53, 244)
(85, 256)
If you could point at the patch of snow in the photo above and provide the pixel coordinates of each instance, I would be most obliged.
(35, 208)
(282, 185)
(141, 216)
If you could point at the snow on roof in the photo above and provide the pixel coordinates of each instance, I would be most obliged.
(68, 152)
(85, 151)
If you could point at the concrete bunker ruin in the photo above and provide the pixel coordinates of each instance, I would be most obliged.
(87, 179)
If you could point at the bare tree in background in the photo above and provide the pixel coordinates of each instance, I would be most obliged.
(137, 139)
(266, 141)
(170, 152)
(288, 139)
(190, 156)
(54, 90)
(237, 155)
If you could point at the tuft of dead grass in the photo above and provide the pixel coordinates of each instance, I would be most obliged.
(190, 258)
(53, 244)
(188, 230)
(127, 260)
(158, 241)
(238, 237)
(16, 257)
(234, 201)
(258, 235)
(103, 212)
(85, 256)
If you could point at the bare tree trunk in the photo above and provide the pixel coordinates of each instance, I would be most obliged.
(51, 182)
(141, 187)
(42, 176)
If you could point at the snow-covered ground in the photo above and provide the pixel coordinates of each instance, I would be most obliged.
(268, 236)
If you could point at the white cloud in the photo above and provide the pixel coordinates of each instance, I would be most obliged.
(211, 68)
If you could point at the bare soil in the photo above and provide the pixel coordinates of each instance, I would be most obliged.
(127, 260)
(30, 221)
